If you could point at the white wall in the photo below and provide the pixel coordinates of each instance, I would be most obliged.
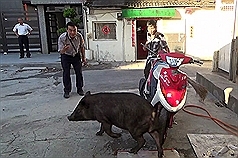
(173, 26)
(205, 34)
(108, 50)
(212, 30)
(227, 19)
(224, 58)
(130, 52)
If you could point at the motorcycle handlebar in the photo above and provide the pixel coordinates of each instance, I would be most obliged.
(197, 62)
(193, 60)
(153, 53)
(147, 48)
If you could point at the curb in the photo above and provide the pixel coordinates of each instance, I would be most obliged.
(224, 90)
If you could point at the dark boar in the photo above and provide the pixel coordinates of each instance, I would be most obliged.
(124, 110)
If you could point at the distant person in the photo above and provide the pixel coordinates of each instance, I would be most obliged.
(22, 31)
(72, 49)
(155, 42)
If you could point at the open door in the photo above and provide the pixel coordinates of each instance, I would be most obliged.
(141, 36)
(54, 20)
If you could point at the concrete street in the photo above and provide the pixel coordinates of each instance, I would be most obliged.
(34, 113)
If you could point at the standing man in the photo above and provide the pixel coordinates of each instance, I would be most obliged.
(155, 42)
(22, 31)
(72, 49)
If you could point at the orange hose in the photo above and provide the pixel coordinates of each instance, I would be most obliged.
(230, 128)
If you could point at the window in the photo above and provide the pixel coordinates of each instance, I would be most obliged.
(105, 31)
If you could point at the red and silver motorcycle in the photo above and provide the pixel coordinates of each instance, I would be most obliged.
(166, 86)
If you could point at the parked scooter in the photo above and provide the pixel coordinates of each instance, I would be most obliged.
(166, 86)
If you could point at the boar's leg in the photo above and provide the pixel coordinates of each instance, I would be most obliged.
(140, 142)
(159, 142)
(108, 129)
(101, 131)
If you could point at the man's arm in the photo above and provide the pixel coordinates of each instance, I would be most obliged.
(62, 47)
(165, 46)
(30, 29)
(82, 49)
(146, 45)
(167, 49)
(83, 54)
(15, 30)
(16, 33)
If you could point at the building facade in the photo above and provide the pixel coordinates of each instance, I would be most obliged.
(115, 30)
(50, 14)
(10, 11)
(45, 16)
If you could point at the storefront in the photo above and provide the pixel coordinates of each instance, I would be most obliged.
(139, 18)
(115, 35)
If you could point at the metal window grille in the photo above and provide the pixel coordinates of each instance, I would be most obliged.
(105, 31)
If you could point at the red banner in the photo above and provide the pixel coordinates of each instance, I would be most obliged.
(133, 33)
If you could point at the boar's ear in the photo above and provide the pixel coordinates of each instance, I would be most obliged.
(88, 93)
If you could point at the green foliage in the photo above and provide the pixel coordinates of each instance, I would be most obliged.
(72, 15)
(61, 30)
(76, 21)
(69, 13)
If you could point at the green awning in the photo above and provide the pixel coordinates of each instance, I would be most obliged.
(148, 13)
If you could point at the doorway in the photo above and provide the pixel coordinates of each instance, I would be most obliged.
(54, 21)
(141, 36)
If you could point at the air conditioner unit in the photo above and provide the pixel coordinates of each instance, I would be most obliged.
(119, 16)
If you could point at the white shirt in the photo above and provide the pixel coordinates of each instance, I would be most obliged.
(22, 29)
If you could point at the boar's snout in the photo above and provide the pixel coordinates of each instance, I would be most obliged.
(71, 118)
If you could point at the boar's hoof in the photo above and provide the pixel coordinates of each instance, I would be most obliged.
(99, 133)
(70, 118)
(160, 155)
(133, 150)
(115, 135)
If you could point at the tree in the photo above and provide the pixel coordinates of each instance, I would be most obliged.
(72, 15)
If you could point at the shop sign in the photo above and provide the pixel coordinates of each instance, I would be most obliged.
(148, 13)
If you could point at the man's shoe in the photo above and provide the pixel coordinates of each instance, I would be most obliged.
(66, 95)
(80, 92)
